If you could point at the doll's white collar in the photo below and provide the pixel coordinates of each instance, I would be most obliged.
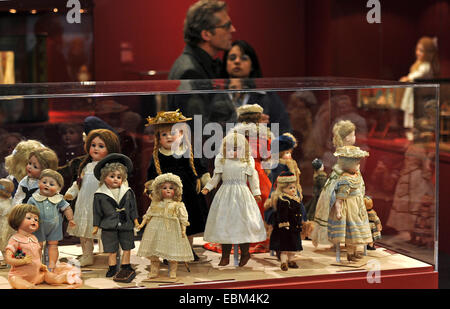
(105, 190)
(168, 152)
(55, 199)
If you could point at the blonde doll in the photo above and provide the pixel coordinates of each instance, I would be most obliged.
(234, 216)
(343, 135)
(6, 189)
(51, 204)
(23, 253)
(166, 219)
(99, 143)
(425, 66)
(39, 159)
(287, 223)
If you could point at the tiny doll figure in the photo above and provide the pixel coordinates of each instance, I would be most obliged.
(39, 159)
(172, 153)
(348, 221)
(374, 222)
(6, 189)
(319, 179)
(165, 234)
(51, 204)
(99, 143)
(285, 237)
(426, 66)
(234, 216)
(343, 135)
(16, 163)
(423, 228)
(115, 212)
(9, 142)
(72, 142)
(23, 253)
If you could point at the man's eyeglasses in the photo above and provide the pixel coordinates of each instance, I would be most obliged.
(227, 26)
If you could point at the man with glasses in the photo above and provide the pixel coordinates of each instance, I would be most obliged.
(207, 31)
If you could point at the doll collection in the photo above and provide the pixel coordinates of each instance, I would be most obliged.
(258, 202)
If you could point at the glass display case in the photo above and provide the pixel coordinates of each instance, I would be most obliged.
(400, 174)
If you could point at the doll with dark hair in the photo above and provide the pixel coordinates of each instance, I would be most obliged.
(374, 222)
(99, 143)
(319, 179)
(172, 153)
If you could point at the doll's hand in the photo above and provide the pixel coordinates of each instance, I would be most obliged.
(72, 223)
(43, 268)
(95, 230)
(68, 197)
(404, 79)
(339, 215)
(258, 198)
(205, 191)
(140, 226)
(379, 227)
(26, 260)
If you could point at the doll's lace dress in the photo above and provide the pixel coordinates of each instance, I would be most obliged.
(83, 216)
(162, 235)
(5, 230)
(234, 216)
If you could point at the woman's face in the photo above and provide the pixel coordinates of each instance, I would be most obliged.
(167, 190)
(98, 149)
(420, 52)
(34, 168)
(238, 65)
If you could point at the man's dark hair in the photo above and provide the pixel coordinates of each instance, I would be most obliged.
(199, 17)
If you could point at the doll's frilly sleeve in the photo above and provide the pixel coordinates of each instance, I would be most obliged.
(253, 178)
(218, 170)
(182, 214)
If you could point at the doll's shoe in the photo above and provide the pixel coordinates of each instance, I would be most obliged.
(292, 264)
(244, 259)
(224, 261)
(125, 275)
(86, 260)
(284, 266)
(111, 271)
(351, 258)
(369, 247)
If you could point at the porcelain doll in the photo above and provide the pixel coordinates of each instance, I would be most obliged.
(99, 143)
(23, 253)
(166, 219)
(343, 135)
(72, 142)
(348, 221)
(51, 205)
(9, 142)
(172, 153)
(287, 223)
(374, 222)
(39, 159)
(319, 179)
(16, 163)
(115, 212)
(6, 189)
(424, 225)
(234, 216)
(425, 66)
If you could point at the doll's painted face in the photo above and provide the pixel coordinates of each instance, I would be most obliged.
(72, 137)
(167, 190)
(235, 152)
(30, 223)
(114, 180)
(34, 168)
(238, 64)
(287, 154)
(98, 149)
(291, 189)
(350, 139)
(420, 52)
(168, 137)
(48, 186)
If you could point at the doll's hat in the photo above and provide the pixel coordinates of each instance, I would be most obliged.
(249, 109)
(167, 177)
(164, 117)
(350, 152)
(285, 141)
(113, 158)
(286, 177)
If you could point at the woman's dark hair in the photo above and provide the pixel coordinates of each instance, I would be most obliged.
(248, 50)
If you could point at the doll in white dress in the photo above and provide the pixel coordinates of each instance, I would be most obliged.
(234, 216)
(166, 218)
(99, 143)
(6, 189)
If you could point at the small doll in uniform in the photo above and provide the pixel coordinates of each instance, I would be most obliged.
(348, 222)
(51, 205)
(39, 160)
(99, 143)
(115, 212)
(319, 179)
(6, 189)
(234, 216)
(374, 222)
(16, 163)
(172, 153)
(287, 225)
(23, 253)
(166, 219)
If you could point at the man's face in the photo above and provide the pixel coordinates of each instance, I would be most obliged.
(220, 37)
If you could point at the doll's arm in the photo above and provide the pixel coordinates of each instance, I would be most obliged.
(212, 183)
(254, 181)
(98, 214)
(145, 219)
(72, 192)
(183, 218)
(283, 215)
(19, 196)
(11, 260)
(68, 212)
(338, 206)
